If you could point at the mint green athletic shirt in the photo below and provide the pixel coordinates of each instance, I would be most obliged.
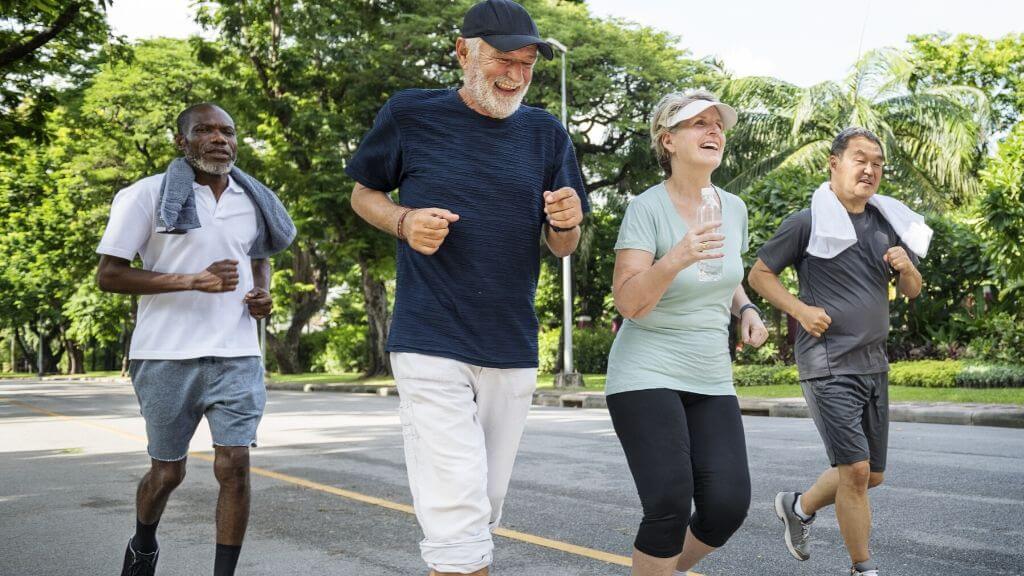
(683, 343)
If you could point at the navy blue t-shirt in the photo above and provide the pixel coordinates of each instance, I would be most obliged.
(473, 299)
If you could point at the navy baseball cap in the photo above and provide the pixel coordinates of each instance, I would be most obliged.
(505, 25)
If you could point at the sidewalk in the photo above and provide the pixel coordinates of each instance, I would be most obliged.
(1001, 415)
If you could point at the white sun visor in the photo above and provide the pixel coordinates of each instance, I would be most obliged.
(694, 108)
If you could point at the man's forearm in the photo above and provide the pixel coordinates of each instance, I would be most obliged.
(562, 243)
(910, 283)
(261, 274)
(117, 275)
(768, 285)
(376, 208)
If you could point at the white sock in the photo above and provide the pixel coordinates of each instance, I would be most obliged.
(799, 510)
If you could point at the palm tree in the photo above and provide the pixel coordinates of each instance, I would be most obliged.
(934, 138)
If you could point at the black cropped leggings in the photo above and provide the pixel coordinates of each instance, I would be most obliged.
(682, 446)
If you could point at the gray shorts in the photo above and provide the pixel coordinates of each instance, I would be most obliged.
(175, 394)
(851, 412)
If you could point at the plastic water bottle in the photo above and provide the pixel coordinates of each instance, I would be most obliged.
(710, 211)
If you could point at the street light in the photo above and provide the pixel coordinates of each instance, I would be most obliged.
(568, 377)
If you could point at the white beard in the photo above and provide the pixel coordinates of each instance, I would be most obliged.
(218, 168)
(484, 93)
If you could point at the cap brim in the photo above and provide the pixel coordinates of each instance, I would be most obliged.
(728, 113)
(512, 42)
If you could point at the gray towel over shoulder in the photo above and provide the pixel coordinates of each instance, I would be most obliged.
(178, 215)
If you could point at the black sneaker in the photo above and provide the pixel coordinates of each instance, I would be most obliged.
(137, 563)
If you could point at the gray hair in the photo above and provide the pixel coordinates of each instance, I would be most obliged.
(842, 140)
(473, 45)
(663, 110)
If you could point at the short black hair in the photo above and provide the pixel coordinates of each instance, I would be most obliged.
(186, 115)
(842, 140)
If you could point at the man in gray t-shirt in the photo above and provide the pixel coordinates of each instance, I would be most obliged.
(852, 288)
(843, 315)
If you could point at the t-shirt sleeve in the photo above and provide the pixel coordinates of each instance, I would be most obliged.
(129, 226)
(788, 245)
(377, 163)
(567, 170)
(637, 230)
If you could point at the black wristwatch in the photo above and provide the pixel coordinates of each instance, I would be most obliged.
(748, 306)
(557, 229)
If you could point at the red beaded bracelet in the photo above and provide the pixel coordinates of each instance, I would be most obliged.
(401, 220)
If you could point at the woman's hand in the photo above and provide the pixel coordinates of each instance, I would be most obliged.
(697, 245)
(752, 329)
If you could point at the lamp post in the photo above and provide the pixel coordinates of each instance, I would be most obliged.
(568, 377)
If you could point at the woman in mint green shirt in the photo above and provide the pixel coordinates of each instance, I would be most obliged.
(669, 386)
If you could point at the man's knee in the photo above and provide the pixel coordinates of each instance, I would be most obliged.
(856, 475)
(876, 479)
(166, 476)
(231, 465)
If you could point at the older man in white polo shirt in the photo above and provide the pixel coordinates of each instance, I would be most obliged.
(195, 350)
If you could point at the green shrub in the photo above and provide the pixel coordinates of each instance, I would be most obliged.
(590, 348)
(991, 376)
(922, 374)
(547, 345)
(761, 375)
(345, 350)
(925, 373)
(1000, 339)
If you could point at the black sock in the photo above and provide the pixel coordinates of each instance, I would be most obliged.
(145, 537)
(226, 559)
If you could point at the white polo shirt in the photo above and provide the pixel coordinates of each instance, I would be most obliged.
(188, 324)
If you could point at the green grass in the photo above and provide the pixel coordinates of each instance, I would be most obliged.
(779, 391)
(99, 374)
(595, 383)
(591, 382)
(94, 374)
(9, 375)
(317, 378)
(906, 394)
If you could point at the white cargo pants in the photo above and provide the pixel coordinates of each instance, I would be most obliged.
(461, 425)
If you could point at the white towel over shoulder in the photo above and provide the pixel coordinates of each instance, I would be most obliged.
(832, 230)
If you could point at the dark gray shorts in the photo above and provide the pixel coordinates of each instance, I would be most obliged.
(851, 412)
(174, 395)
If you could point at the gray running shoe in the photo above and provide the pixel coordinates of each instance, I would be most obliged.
(797, 531)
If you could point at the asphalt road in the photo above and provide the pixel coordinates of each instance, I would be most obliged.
(330, 493)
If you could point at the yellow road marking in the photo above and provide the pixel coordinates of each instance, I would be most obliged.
(566, 547)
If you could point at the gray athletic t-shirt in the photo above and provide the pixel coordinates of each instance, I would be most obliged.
(852, 287)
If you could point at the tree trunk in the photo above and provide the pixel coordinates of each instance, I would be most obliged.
(375, 297)
(74, 352)
(287, 357)
(307, 268)
(51, 361)
(27, 357)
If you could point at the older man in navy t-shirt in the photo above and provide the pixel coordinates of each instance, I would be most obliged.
(481, 178)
